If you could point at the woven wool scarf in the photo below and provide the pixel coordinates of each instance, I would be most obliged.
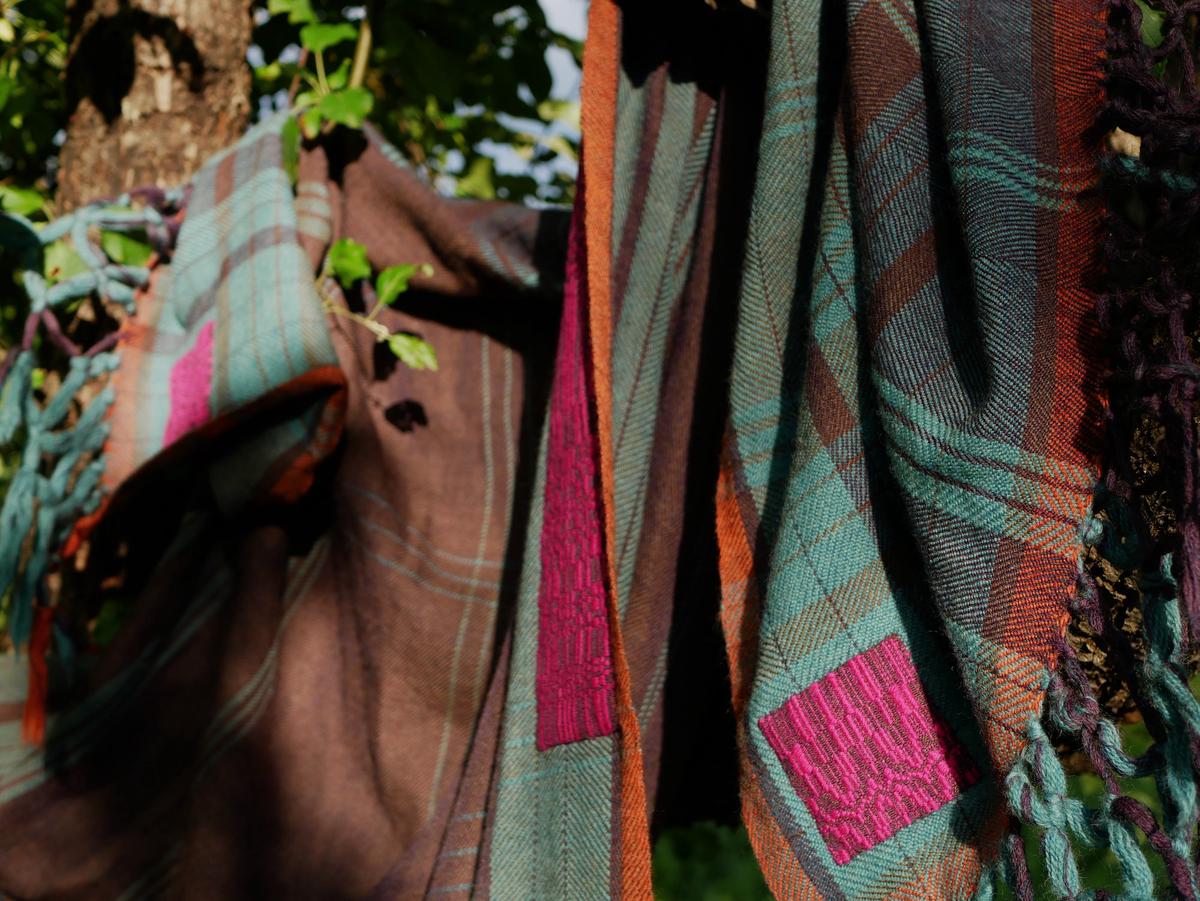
(766, 485)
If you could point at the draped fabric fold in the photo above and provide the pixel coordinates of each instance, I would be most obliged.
(780, 513)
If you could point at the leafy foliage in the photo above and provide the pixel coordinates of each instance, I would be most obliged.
(33, 104)
(707, 862)
(451, 83)
(393, 281)
(347, 262)
(413, 351)
(1152, 24)
(33, 112)
(319, 38)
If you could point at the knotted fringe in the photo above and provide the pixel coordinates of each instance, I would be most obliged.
(58, 479)
(1153, 268)
(1151, 265)
(1037, 789)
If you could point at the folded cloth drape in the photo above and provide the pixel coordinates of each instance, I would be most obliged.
(787, 499)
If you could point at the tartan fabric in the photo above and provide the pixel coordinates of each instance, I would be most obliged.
(909, 449)
(910, 445)
(237, 306)
(305, 701)
(827, 346)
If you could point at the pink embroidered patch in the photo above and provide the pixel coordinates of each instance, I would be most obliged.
(191, 384)
(865, 752)
(574, 660)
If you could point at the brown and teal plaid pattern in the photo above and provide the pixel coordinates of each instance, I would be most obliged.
(848, 394)
(910, 452)
(294, 707)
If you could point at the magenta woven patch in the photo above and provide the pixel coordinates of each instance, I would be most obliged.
(574, 660)
(191, 384)
(865, 752)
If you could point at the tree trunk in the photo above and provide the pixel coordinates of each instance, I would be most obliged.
(156, 87)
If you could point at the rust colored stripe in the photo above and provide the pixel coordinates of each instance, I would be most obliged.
(598, 114)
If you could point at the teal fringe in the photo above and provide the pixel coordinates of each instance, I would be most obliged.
(1036, 788)
(58, 478)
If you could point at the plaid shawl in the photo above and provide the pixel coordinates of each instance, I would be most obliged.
(908, 443)
(784, 506)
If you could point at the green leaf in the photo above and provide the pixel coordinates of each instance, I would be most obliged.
(413, 352)
(22, 201)
(347, 260)
(393, 281)
(291, 149)
(124, 250)
(349, 107)
(318, 38)
(37, 378)
(6, 89)
(310, 122)
(478, 180)
(1152, 24)
(298, 11)
(339, 77)
(7, 33)
(62, 262)
(304, 100)
(273, 76)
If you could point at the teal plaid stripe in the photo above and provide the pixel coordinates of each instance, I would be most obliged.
(883, 416)
(553, 808)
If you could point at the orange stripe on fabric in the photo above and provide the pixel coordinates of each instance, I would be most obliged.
(786, 880)
(957, 874)
(1078, 33)
(736, 567)
(33, 722)
(739, 621)
(602, 54)
(1042, 586)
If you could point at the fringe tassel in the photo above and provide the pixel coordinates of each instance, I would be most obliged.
(1037, 788)
(62, 437)
(1151, 268)
(1153, 272)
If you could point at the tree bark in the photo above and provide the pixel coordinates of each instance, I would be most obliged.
(156, 87)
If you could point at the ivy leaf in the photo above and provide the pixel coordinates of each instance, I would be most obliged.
(318, 38)
(349, 107)
(62, 262)
(413, 352)
(1152, 24)
(393, 281)
(298, 11)
(22, 201)
(291, 149)
(347, 260)
(124, 250)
